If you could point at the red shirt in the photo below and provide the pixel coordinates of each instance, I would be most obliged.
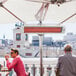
(18, 66)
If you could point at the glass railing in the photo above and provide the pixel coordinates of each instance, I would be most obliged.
(32, 65)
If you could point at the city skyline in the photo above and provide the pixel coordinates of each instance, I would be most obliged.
(7, 30)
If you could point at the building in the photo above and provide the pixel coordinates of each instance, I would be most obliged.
(20, 39)
(47, 41)
(70, 37)
(35, 41)
(20, 42)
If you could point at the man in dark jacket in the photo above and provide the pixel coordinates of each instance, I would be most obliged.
(66, 64)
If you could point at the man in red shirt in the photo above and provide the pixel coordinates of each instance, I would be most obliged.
(17, 63)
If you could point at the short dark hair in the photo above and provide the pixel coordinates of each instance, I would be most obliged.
(16, 51)
(68, 48)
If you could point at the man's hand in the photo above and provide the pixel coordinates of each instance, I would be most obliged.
(6, 57)
(57, 72)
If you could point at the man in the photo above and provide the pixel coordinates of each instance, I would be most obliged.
(17, 63)
(66, 64)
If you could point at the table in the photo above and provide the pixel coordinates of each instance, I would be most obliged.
(4, 71)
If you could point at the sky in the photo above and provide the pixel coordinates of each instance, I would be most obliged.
(7, 30)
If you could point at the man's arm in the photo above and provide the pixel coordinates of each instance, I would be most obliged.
(57, 71)
(11, 65)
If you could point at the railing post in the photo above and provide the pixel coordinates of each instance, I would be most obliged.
(45, 71)
(29, 70)
(37, 71)
(53, 71)
(33, 70)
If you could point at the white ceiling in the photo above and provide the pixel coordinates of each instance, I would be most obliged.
(26, 11)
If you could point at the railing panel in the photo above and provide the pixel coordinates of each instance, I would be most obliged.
(32, 65)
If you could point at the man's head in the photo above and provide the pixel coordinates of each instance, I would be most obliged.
(14, 53)
(68, 48)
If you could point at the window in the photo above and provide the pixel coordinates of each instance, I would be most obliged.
(28, 54)
(18, 46)
(18, 36)
(26, 37)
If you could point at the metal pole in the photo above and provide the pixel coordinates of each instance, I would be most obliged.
(1, 5)
(40, 47)
(67, 19)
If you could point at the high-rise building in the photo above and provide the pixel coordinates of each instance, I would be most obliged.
(48, 41)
